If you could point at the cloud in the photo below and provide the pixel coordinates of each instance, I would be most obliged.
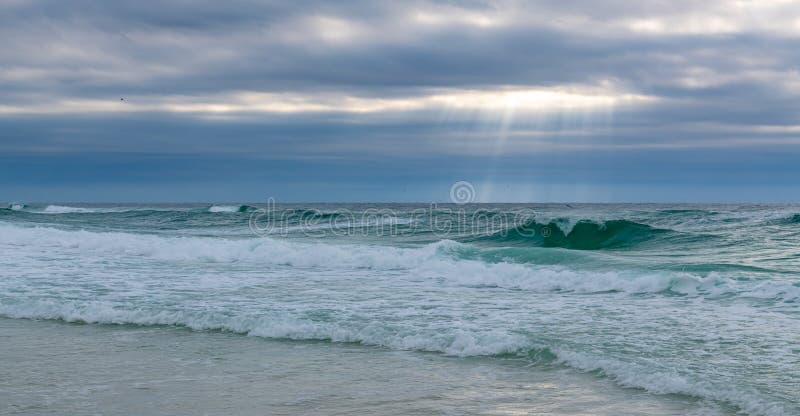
(358, 81)
(504, 100)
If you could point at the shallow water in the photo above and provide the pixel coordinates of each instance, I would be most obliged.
(58, 368)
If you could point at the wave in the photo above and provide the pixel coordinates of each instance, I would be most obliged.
(300, 215)
(60, 209)
(454, 342)
(628, 374)
(65, 209)
(582, 235)
(788, 220)
(455, 262)
(459, 342)
(232, 208)
(687, 211)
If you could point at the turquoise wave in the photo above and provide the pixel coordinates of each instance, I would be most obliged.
(789, 220)
(583, 235)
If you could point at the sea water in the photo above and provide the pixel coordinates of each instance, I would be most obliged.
(400, 309)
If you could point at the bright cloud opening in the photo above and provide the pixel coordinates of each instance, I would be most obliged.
(521, 100)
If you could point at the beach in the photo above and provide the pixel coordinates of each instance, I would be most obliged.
(59, 368)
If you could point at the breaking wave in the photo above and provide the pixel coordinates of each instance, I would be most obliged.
(453, 261)
(60, 209)
(788, 220)
(582, 235)
(231, 208)
(457, 341)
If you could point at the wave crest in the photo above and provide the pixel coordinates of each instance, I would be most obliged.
(232, 208)
(460, 342)
(788, 220)
(583, 235)
(61, 209)
(455, 262)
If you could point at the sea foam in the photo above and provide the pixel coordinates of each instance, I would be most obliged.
(455, 342)
(61, 209)
(441, 259)
(231, 208)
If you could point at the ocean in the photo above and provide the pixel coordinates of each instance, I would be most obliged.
(263, 308)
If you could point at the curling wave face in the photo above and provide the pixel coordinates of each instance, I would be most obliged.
(671, 300)
(582, 235)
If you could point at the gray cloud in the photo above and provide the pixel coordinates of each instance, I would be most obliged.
(714, 77)
(85, 48)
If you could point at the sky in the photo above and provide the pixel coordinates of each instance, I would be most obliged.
(306, 101)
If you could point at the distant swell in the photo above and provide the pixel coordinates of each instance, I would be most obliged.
(583, 235)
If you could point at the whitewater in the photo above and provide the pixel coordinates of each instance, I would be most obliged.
(693, 306)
